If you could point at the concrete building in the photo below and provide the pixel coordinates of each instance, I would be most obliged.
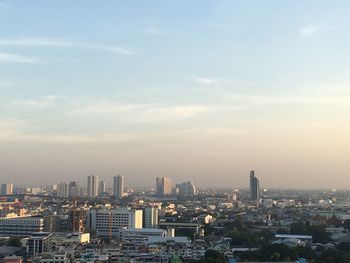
(102, 188)
(77, 219)
(254, 187)
(140, 235)
(186, 189)
(110, 222)
(39, 243)
(163, 186)
(21, 226)
(7, 189)
(74, 189)
(118, 186)
(150, 217)
(92, 186)
(62, 189)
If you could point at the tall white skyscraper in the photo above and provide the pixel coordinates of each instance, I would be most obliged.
(92, 186)
(118, 186)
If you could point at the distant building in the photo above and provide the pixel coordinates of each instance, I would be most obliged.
(186, 189)
(163, 186)
(7, 189)
(102, 188)
(62, 189)
(110, 222)
(254, 187)
(118, 186)
(21, 226)
(92, 186)
(150, 217)
(74, 189)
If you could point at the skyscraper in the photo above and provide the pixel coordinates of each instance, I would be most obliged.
(254, 187)
(163, 186)
(74, 189)
(102, 188)
(92, 186)
(7, 189)
(118, 186)
(62, 189)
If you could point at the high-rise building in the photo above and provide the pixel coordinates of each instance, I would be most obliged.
(254, 187)
(62, 189)
(7, 189)
(74, 189)
(150, 217)
(118, 186)
(92, 186)
(102, 188)
(186, 189)
(163, 186)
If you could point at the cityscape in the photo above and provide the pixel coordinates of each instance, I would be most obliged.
(174, 131)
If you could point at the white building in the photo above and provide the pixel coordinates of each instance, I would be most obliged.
(140, 235)
(21, 225)
(110, 222)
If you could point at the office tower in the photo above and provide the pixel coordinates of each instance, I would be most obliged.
(150, 218)
(110, 222)
(74, 189)
(118, 186)
(62, 190)
(186, 189)
(163, 186)
(254, 187)
(92, 186)
(7, 189)
(102, 188)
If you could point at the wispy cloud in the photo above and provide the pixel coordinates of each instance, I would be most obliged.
(208, 81)
(39, 103)
(19, 59)
(156, 32)
(310, 30)
(48, 42)
(276, 100)
(151, 112)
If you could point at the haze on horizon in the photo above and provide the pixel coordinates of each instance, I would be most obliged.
(192, 90)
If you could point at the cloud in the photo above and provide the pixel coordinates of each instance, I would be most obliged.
(40, 103)
(276, 100)
(19, 59)
(156, 32)
(146, 112)
(47, 42)
(310, 30)
(208, 81)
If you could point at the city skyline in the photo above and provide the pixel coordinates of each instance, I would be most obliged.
(202, 91)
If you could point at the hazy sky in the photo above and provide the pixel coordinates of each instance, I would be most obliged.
(200, 90)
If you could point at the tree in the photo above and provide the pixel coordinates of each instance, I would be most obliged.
(212, 256)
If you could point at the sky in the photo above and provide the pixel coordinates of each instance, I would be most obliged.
(193, 90)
